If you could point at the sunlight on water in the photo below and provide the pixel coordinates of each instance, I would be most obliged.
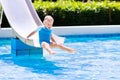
(95, 59)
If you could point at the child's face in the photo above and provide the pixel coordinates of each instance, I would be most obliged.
(48, 22)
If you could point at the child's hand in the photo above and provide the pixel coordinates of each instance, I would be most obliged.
(26, 39)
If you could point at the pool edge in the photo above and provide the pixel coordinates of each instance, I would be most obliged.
(73, 30)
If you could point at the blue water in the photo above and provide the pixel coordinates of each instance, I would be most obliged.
(97, 58)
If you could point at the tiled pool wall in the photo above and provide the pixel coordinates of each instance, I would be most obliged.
(82, 31)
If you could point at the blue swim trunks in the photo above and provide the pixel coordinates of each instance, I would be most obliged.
(44, 34)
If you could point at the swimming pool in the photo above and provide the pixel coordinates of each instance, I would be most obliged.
(97, 58)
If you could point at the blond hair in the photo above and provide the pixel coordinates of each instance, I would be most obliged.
(49, 17)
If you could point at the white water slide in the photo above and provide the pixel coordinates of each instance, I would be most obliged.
(23, 19)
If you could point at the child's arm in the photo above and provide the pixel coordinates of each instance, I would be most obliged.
(32, 33)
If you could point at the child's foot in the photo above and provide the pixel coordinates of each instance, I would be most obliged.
(72, 50)
(52, 52)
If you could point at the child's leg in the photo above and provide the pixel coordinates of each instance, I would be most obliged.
(63, 47)
(47, 47)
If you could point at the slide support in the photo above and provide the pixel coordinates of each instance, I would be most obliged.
(20, 48)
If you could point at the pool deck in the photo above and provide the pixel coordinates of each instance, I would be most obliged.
(73, 30)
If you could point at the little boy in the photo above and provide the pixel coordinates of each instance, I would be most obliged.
(46, 39)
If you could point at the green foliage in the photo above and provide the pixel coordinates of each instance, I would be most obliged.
(78, 13)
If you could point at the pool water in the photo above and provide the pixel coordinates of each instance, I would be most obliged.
(96, 58)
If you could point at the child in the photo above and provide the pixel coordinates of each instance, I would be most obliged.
(46, 39)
